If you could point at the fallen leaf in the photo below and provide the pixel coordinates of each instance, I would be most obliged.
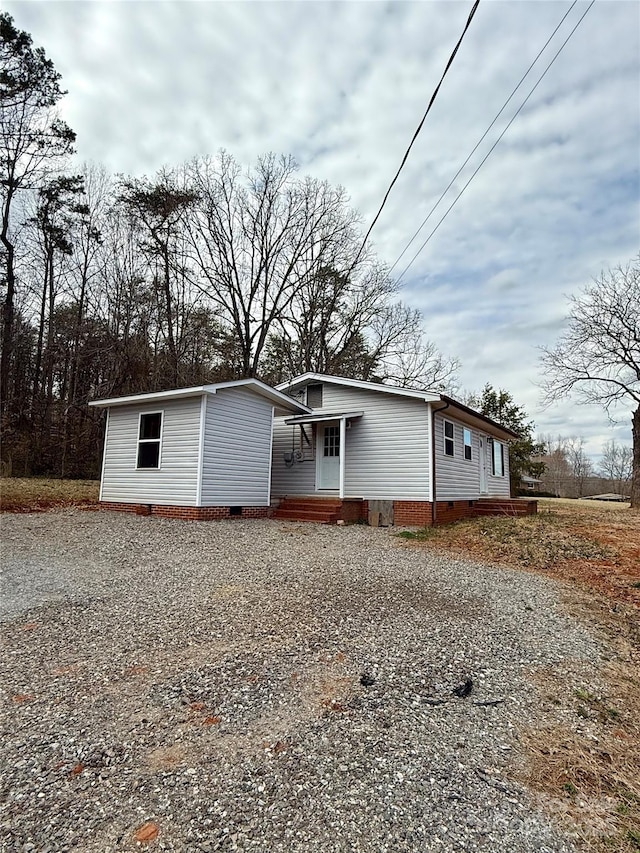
(136, 669)
(77, 770)
(66, 670)
(620, 733)
(22, 697)
(212, 721)
(333, 705)
(149, 831)
(29, 626)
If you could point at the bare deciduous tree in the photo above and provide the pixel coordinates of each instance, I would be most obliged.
(598, 356)
(616, 465)
(256, 238)
(580, 464)
(557, 471)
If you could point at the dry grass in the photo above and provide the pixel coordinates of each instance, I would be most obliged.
(21, 494)
(593, 545)
(587, 769)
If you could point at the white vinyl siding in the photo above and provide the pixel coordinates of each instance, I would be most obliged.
(456, 477)
(175, 482)
(237, 449)
(300, 477)
(386, 450)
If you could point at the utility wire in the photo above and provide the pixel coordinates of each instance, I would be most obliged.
(415, 135)
(454, 202)
(479, 142)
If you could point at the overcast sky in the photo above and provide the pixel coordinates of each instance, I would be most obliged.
(342, 86)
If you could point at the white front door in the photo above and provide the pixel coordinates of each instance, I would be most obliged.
(483, 465)
(328, 456)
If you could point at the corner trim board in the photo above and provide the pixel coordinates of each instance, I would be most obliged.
(104, 454)
(200, 473)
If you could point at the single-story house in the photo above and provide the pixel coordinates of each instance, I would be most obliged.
(321, 448)
(389, 454)
(202, 452)
(530, 484)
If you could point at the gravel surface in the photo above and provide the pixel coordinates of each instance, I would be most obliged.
(267, 686)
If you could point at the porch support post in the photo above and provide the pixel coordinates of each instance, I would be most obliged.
(343, 435)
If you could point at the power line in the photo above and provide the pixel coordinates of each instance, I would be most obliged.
(415, 135)
(482, 138)
(454, 202)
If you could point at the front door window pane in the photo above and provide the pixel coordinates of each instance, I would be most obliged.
(331, 441)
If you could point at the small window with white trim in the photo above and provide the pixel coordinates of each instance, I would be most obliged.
(467, 443)
(149, 437)
(314, 396)
(449, 446)
(497, 459)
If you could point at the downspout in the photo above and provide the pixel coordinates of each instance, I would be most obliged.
(433, 460)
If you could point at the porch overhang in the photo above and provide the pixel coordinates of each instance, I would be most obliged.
(323, 416)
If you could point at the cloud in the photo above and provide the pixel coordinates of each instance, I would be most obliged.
(342, 86)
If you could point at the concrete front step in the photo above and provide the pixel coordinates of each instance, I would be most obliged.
(320, 510)
(319, 505)
(299, 515)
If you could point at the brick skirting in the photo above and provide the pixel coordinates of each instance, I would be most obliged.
(405, 513)
(412, 513)
(189, 513)
(420, 513)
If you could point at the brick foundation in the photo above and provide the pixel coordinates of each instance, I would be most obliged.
(405, 513)
(188, 513)
(420, 513)
(412, 513)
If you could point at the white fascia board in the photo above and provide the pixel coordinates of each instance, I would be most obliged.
(274, 396)
(152, 397)
(427, 396)
(281, 400)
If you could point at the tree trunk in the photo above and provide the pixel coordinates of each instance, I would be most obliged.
(635, 476)
(8, 311)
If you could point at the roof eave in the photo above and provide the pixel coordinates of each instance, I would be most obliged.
(379, 387)
(505, 432)
(278, 398)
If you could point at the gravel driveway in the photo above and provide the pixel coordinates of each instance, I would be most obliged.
(207, 678)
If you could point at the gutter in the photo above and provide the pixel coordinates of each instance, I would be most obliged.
(434, 513)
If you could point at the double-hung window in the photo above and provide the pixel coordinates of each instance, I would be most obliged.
(467, 443)
(149, 438)
(497, 459)
(449, 446)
